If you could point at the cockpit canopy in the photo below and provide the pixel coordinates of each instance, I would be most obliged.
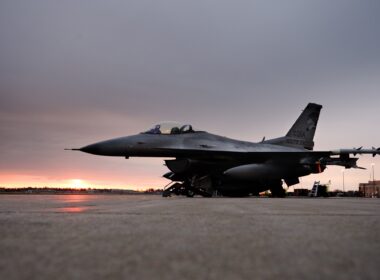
(170, 128)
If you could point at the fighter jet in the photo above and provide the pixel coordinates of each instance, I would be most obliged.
(201, 163)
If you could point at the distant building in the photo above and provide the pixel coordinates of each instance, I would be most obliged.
(370, 189)
(301, 192)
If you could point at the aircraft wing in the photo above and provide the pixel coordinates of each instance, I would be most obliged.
(334, 157)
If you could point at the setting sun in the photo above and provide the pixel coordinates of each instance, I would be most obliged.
(77, 183)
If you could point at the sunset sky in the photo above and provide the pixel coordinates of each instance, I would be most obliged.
(77, 72)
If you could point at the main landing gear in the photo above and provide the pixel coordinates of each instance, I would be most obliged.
(277, 190)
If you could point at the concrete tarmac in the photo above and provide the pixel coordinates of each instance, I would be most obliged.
(150, 237)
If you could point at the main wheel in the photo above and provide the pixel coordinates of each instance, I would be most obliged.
(278, 192)
(189, 193)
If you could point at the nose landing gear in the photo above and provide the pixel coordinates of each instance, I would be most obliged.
(195, 186)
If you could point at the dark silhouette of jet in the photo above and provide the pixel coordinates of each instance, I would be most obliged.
(203, 163)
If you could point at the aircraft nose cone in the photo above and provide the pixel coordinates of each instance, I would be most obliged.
(91, 149)
(114, 147)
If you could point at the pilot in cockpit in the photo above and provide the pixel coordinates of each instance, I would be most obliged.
(156, 129)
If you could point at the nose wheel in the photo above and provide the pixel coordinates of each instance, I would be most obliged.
(185, 190)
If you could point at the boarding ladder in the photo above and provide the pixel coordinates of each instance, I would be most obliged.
(314, 190)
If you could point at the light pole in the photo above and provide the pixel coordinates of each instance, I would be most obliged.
(373, 172)
(373, 179)
(343, 179)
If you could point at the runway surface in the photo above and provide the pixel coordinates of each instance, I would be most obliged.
(150, 237)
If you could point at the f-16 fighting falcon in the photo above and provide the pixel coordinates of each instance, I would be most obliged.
(202, 163)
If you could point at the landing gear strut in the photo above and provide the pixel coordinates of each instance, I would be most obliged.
(277, 190)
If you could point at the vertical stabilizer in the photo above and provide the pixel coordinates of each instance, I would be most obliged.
(301, 134)
(303, 130)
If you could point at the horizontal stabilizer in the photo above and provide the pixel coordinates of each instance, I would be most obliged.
(359, 167)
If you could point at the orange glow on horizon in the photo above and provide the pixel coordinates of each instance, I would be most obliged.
(17, 180)
(72, 209)
(141, 181)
